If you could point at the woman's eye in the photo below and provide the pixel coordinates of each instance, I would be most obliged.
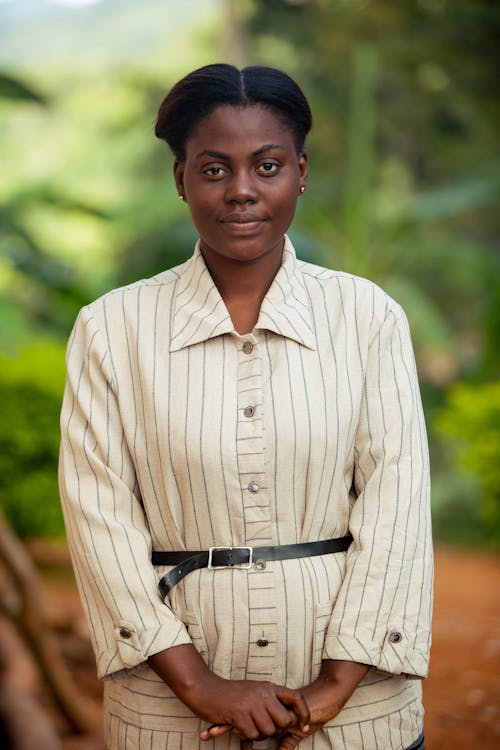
(267, 167)
(214, 171)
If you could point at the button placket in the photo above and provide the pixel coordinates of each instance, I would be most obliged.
(249, 443)
(256, 506)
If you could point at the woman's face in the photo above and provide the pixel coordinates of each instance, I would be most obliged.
(241, 179)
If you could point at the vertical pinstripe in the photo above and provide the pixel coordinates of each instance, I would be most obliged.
(175, 436)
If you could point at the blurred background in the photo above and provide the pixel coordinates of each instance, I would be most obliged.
(404, 189)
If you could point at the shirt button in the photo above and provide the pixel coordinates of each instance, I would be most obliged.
(259, 565)
(247, 347)
(125, 633)
(395, 637)
(249, 411)
(254, 487)
(262, 642)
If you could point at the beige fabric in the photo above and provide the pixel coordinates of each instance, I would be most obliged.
(158, 452)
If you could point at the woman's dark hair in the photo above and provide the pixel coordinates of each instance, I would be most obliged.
(199, 93)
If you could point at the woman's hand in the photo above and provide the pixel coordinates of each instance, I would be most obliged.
(251, 709)
(326, 697)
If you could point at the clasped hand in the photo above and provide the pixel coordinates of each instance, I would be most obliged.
(250, 709)
(323, 698)
(254, 710)
(301, 713)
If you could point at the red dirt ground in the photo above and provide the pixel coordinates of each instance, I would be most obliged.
(462, 694)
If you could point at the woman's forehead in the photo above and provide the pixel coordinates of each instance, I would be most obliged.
(249, 127)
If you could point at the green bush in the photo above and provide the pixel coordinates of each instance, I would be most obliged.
(31, 386)
(470, 426)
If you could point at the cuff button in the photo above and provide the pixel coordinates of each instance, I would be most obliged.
(395, 637)
(125, 633)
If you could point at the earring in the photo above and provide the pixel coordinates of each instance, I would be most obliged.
(302, 188)
(181, 196)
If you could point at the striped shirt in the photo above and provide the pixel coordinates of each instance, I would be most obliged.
(178, 433)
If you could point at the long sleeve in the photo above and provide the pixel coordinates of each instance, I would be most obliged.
(105, 521)
(382, 615)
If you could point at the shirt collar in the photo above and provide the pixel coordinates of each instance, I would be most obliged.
(200, 313)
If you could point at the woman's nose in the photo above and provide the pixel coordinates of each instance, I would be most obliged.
(241, 188)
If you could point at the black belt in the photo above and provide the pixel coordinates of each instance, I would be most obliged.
(224, 557)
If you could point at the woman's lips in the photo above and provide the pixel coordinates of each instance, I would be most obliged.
(242, 222)
(241, 219)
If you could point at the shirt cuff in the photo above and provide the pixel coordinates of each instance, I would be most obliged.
(395, 653)
(133, 646)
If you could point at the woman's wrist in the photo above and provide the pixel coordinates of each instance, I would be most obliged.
(183, 670)
(335, 684)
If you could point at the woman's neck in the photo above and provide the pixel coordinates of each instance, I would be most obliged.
(243, 285)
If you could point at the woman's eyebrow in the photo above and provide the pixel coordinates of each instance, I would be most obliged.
(221, 155)
(267, 147)
(215, 154)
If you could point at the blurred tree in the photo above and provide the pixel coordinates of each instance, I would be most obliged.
(237, 13)
(410, 198)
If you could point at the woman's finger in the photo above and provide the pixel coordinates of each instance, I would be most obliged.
(295, 700)
(282, 716)
(290, 741)
(215, 730)
(263, 720)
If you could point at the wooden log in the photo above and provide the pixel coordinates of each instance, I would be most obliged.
(26, 609)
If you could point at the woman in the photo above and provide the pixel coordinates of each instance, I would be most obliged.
(243, 464)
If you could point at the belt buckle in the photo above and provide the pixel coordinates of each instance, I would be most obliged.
(242, 566)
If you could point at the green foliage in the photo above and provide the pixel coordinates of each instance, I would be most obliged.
(46, 290)
(457, 517)
(31, 385)
(13, 88)
(403, 154)
(470, 424)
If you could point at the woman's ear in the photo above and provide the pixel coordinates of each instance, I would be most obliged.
(303, 167)
(179, 178)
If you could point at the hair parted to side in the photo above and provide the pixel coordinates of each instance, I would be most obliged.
(200, 92)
